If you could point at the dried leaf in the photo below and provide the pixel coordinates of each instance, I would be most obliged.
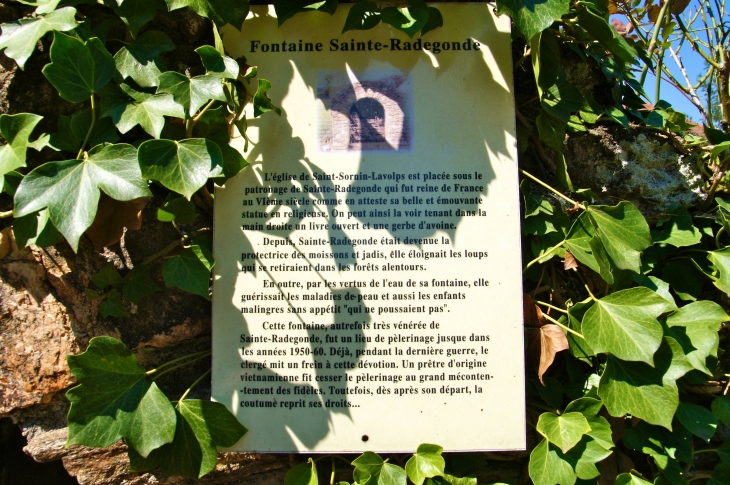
(112, 217)
(532, 313)
(612, 8)
(653, 12)
(678, 6)
(552, 341)
(570, 261)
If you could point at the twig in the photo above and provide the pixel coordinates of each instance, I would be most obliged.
(567, 329)
(695, 99)
(6, 214)
(555, 191)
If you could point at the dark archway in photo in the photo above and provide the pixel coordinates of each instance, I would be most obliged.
(367, 122)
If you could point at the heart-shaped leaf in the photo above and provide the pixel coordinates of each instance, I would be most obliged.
(191, 93)
(216, 64)
(190, 270)
(19, 38)
(564, 431)
(140, 60)
(426, 462)
(16, 130)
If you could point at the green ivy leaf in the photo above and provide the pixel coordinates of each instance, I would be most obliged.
(625, 324)
(219, 11)
(684, 278)
(551, 130)
(178, 209)
(70, 189)
(107, 276)
(629, 479)
(721, 409)
(697, 419)
(363, 15)
(115, 399)
(190, 270)
(182, 166)
(302, 474)
(677, 229)
(113, 306)
(78, 69)
(660, 287)
(584, 456)
(16, 130)
(35, 228)
(140, 60)
(578, 242)
(138, 284)
(548, 468)
(659, 442)
(216, 64)
(72, 132)
(721, 260)
(378, 472)
(623, 231)
(143, 109)
(409, 19)
(695, 327)
(426, 462)
(606, 35)
(286, 9)
(545, 55)
(435, 20)
(562, 99)
(646, 392)
(530, 16)
(191, 94)
(720, 475)
(136, 13)
(564, 431)
(20, 37)
(261, 101)
(723, 451)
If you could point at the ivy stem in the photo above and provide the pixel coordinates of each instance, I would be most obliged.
(167, 249)
(197, 381)
(175, 361)
(654, 37)
(555, 191)
(550, 306)
(590, 294)
(567, 329)
(6, 214)
(91, 127)
(188, 362)
(706, 450)
(549, 251)
(717, 236)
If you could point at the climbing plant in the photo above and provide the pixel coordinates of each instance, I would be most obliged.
(624, 318)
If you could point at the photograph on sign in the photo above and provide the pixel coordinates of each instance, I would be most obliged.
(367, 291)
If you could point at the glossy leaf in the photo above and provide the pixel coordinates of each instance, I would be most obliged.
(363, 15)
(695, 327)
(217, 64)
(72, 132)
(191, 94)
(136, 13)
(697, 419)
(379, 472)
(531, 17)
(115, 399)
(261, 101)
(70, 189)
(677, 229)
(721, 260)
(78, 69)
(564, 431)
(143, 109)
(182, 166)
(302, 474)
(630, 479)
(623, 231)
(548, 468)
(140, 60)
(190, 270)
(624, 324)
(178, 209)
(35, 228)
(426, 462)
(19, 38)
(646, 392)
(16, 130)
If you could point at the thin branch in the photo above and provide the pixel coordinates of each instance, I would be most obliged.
(695, 99)
(557, 192)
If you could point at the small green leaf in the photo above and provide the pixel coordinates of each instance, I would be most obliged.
(261, 101)
(564, 431)
(363, 15)
(178, 209)
(697, 419)
(140, 60)
(70, 189)
(721, 409)
(35, 228)
(721, 260)
(136, 13)
(113, 306)
(435, 20)
(547, 467)
(302, 474)
(684, 278)
(370, 468)
(629, 479)
(191, 94)
(182, 166)
(115, 400)
(107, 276)
(216, 64)
(426, 462)
(19, 38)
(660, 442)
(138, 284)
(143, 109)
(78, 69)
(677, 229)
(16, 130)
(646, 392)
(406, 19)
(606, 35)
(190, 270)
(623, 231)
(695, 327)
(530, 16)
(625, 324)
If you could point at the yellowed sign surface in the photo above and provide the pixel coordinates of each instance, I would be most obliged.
(367, 287)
